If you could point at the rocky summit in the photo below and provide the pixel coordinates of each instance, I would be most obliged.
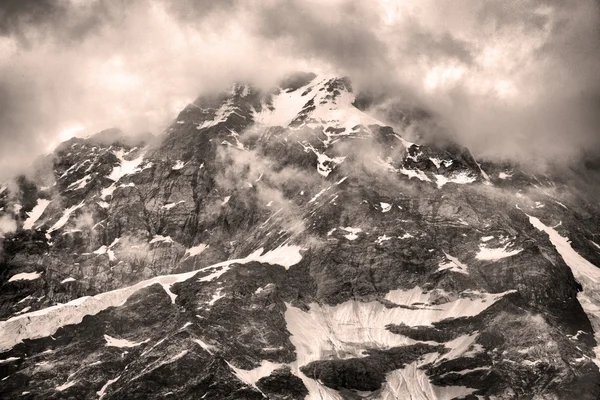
(285, 244)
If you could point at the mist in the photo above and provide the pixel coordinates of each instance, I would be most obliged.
(512, 80)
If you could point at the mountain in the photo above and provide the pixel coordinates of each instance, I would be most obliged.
(284, 244)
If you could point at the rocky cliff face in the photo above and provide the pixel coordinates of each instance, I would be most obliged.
(286, 245)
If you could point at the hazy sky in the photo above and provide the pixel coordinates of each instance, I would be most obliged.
(515, 79)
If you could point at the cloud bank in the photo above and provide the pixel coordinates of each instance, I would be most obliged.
(515, 80)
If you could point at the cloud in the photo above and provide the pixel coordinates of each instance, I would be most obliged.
(513, 80)
(7, 225)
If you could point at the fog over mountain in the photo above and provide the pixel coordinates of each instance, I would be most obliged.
(299, 200)
(514, 80)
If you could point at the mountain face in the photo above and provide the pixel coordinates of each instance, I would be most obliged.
(287, 245)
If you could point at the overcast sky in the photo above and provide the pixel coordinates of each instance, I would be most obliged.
(516, 79)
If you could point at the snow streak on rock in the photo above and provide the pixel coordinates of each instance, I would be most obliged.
(35, 213)
(25, 276)
(585, 272)
(45, 322)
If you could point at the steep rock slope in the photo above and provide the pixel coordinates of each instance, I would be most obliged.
(287, 245)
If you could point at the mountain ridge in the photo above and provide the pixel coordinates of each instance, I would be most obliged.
(361, 265)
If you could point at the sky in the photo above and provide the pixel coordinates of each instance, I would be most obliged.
(513, 80)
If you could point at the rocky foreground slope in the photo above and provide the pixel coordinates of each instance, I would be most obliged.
(286, 245)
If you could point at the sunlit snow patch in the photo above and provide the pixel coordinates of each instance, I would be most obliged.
(461, 178)
(35, 213)
(454, 265)
(80, 184)
(171, 205)
(126, 167)
(65, 217)
(25, 276)
(102, 390)
(107, 250)
(115, 342)
(353, 233)
(194, 251)
(178, 165)
(414, 173)
(65, 386)
(161, 238)
(286, 256)
(252, 376)
(494, 254)
(316, 196)
(383, 238)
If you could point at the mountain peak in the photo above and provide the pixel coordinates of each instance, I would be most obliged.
(285, 244)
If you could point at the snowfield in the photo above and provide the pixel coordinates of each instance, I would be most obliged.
(45, 322)
(346, 330)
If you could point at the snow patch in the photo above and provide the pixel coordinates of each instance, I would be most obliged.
(461, 178)
(454, 265)
(80, 184)
(411, 382)
(161, 238)
(216, 297)
(9, 359)
(494, 254)
(25, 276)
(125, 167)
(65, 217)
(586, 273)
(353, 233)
(316, 196)
(286, 256)
(69, 279)
(171, 205)
(121, 343)
(45, 322)
(346, 330)
(65, 386)
(209, 348)
(178, 165)
(35, 213)
(198, 249)
(383, 238)
(414, 173)
(102, 390)
(252, 376)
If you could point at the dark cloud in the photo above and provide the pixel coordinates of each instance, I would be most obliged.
(34, 21)
(512, 79)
